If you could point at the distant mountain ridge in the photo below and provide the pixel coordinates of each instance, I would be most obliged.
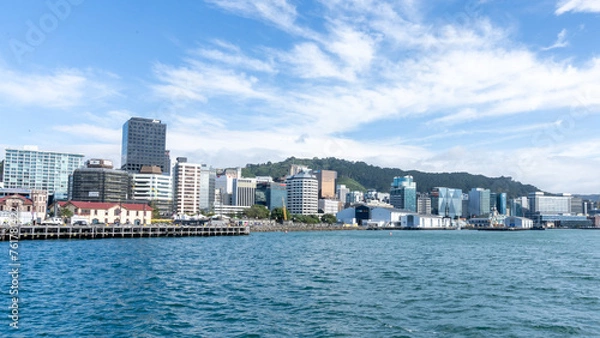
(362, 176)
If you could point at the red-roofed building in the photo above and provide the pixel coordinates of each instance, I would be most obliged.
(98, 212)
(21, 206)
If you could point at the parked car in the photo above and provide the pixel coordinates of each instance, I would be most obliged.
(52, 221)
(82, 223)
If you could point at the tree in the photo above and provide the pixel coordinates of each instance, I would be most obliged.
(329, 219)
(65, 213)
(257, 211)
(155, 211)
(277, 214)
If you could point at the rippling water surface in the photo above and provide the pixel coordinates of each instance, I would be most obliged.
(313, 284)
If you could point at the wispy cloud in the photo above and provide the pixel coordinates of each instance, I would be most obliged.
(589, 6)
(561, 41)
(59, 89)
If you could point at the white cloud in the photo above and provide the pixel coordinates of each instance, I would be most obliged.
(60, 89)
(589, 6)
(560, 41)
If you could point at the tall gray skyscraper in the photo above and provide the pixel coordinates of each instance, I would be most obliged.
(144, 144)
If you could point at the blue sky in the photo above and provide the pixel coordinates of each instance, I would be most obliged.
(491, 87)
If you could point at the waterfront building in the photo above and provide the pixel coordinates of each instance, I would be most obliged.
(99, 182)
(403, 193)
(193, 187)
(518, 222)
(447, 202)
(144, 144)
(549, 205)
(424, 204)
(154, 188)
(244, 191)
(109, 213)
(479, 202)
(302, 194)
(30, 168)
(326, 180)
(20, 209)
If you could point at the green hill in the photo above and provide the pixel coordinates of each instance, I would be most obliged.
(361, 176)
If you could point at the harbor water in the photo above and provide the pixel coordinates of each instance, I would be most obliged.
(312, 284)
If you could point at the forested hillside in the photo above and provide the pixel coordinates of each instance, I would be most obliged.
(362, 176)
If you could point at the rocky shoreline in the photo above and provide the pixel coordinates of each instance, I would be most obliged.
(277, 227)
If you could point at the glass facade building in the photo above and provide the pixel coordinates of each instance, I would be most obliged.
(144, 144)
(447, 202)
(40, 170)
(479, 202)
(403, 194)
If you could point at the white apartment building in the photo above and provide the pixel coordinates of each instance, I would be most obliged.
(303, 194)
(193, 187)
(156, 188)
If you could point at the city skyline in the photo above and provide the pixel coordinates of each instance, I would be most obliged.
(482, 87)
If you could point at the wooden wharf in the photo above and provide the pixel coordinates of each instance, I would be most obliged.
(33, 232)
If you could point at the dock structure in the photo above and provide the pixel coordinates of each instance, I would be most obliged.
(29, 232)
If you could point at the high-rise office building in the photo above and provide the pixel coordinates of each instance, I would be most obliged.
(244, 191)
(30, 168)
(479, 202)
(98, 182)
(326, 179)
(403, 194)
(144, 144)
(423, 204)
(303, 194)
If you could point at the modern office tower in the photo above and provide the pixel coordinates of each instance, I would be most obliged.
(30, 168)
(144, 144)
(271, 194)
(501, 203)
(403, 194)
(519, 206)
(193, 187)
(423, 204)
(303, 194)
(149, 185)
(98, 182)
(465, 205)
(447, 202)
(244, 192)
(341, 192)
(539, 203)
(577, 206)
(479, 202)
(326, 179)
